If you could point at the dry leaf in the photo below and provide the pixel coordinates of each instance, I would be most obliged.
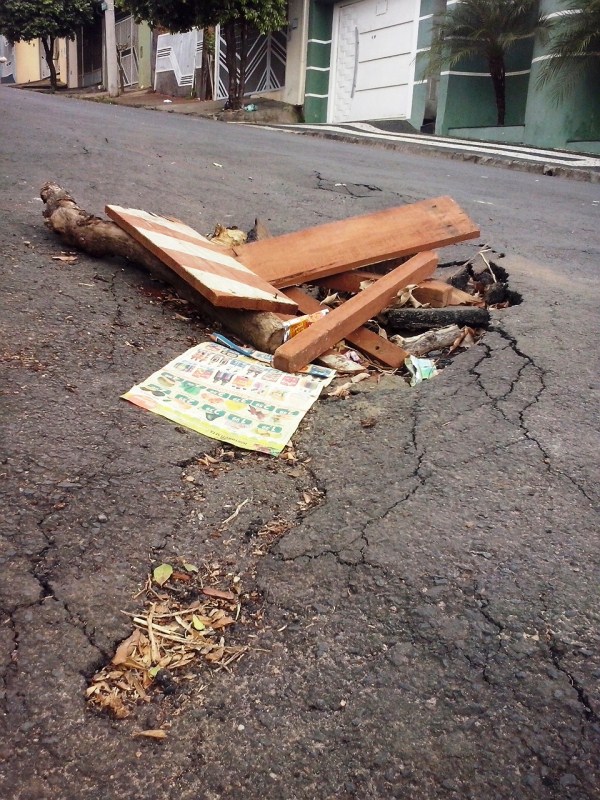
(222, 622)
(152, 734)
(65, 259)
(181, 576)
(126, 648)
(210, 592)
(215, 655)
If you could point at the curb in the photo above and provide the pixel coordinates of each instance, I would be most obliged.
(550, 170)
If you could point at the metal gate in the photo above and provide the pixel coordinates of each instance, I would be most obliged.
(126, 34)
(266, 63)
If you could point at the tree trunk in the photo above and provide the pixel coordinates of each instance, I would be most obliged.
(498, 73)
(48, 45)
(204, 89)
(231, 59)
(101, 238)
(243, 61)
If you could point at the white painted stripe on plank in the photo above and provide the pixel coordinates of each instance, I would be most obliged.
(319, 96)
(222, 283)
(319, 69)
(177, 227)
(319, 41)
(167, 242)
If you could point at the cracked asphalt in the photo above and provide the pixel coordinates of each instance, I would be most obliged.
(431, 626)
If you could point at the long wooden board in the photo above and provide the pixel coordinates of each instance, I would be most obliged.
(362, 338)
(210, 269)
(347, 281)
(335, 247)
(300, 350)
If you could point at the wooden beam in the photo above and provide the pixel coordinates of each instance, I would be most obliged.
(347, 281)
(362, 338)
(437, 294)
(325, 332)
(210, 269)
(314, 253)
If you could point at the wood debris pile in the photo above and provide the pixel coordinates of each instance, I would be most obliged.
(258, 287)
(187, 621)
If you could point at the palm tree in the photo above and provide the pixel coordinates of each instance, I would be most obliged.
(574, 39)
(487, 29)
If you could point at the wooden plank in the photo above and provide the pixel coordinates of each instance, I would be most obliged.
(313, 253)
(347, 281)
(437, 294)
(325, 332)
(208, 268)
(362, 338)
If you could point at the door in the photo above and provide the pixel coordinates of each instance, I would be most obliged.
(374, 57)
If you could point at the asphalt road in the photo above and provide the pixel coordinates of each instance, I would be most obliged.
(431, 628)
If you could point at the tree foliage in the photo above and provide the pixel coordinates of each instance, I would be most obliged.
(183, 15)
(236, 17)
(487, 29)
(574, 40)
(48, 20)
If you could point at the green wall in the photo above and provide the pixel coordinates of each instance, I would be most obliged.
(318, 61)
(548, 119)
(468, 100)
(556, 120)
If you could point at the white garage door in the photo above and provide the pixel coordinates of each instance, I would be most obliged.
(373, 59)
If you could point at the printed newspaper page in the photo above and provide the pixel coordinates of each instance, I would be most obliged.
(230, 397)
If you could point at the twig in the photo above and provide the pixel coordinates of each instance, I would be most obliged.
(225, 522)
(154, 651)
(487, 263)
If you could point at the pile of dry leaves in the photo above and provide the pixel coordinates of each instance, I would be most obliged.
(187, 620)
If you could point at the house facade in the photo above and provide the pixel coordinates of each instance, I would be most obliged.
(81, 62)
(364, 60)
(368, 59)
(534, 114)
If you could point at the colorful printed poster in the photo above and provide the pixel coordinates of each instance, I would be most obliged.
(230, 397)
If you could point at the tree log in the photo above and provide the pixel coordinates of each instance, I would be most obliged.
(419, 320)
(426, 342)
(100, 238)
